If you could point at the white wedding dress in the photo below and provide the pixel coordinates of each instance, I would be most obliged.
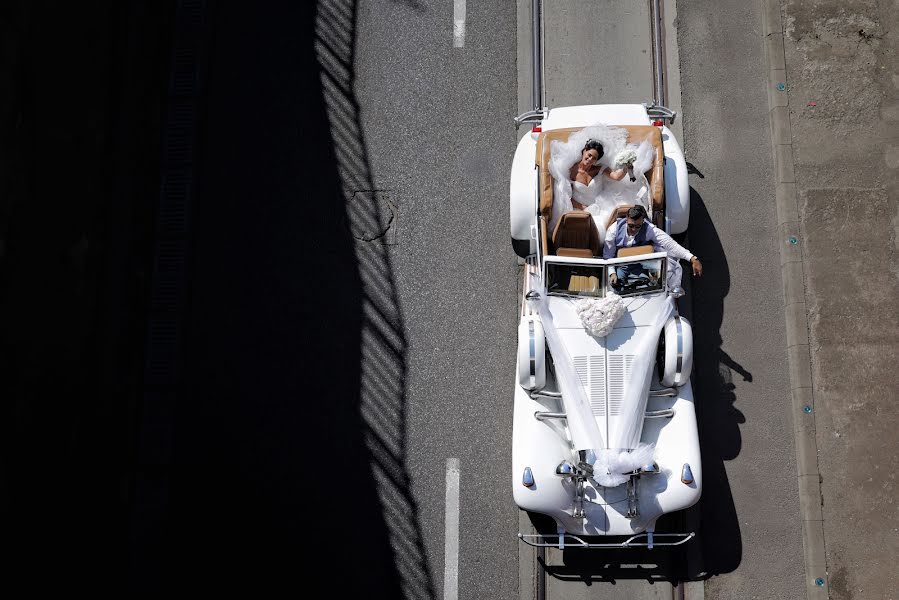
(587, 193)
(601, 195)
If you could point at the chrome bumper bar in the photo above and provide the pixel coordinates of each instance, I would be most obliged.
(641, 540)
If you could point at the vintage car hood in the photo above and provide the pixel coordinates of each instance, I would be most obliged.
(603, 364)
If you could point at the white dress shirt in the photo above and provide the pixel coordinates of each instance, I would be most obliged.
(659, 239)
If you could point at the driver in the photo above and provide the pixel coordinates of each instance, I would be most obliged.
(630, 272)
(636, 230)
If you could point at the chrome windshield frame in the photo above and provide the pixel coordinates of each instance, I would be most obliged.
(605, 264)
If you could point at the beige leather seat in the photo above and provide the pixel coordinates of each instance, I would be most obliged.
(584, 283)
(618, 213)
(635, 251)
(576, 235)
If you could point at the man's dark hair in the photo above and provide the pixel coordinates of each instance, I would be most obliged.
(594, 145)
(636, 212)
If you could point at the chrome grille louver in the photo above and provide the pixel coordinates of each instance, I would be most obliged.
(602, 386)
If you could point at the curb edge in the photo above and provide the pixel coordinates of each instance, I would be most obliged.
(793, 273)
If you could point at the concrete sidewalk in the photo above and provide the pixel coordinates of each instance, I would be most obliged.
(834, 90)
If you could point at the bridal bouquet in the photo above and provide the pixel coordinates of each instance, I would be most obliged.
(625, 158)
(599, 315)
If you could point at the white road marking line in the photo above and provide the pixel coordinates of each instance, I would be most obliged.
(458, 23)
(451, 534)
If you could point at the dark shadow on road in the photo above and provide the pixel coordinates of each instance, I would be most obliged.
(371, 218)
(692, 170)
(719, 419)
(289, 445)
(83, 94)
(288, 436)
(659, 565)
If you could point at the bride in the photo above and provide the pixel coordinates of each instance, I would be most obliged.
(583, 175)
(584, 179)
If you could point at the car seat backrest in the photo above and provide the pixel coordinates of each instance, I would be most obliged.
(576, 230)
(635, 251)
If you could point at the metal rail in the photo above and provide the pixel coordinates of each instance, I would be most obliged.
(537, 113)
(658, 52)
(537, 88)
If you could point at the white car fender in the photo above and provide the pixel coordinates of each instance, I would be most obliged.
(531, 354)
(523, 196)
(678, 358)
(677, 187)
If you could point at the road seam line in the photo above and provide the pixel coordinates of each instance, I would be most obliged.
(793, 273)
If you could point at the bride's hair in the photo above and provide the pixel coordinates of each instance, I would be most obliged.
(594, 145)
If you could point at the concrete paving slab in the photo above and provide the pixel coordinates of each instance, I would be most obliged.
(783, 163)
(771, 17)
(780, 125)
(843, 91)
(803, 400)
(790, 242)
(776, 93)
(815, 560)
(794, 286)
(800, 372)
(797, 326)
(806, 448)
(774, 50)
(787, 208)
(813, 532)
(810, 497)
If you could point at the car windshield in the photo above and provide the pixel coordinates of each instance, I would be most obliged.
(637, 277)
(574, 279)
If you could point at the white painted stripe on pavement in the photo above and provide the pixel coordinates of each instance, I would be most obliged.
(451, 534)
(458, 23)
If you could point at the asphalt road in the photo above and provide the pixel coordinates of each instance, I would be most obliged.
(751, 536)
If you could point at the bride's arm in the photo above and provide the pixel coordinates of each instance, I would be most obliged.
(616, 175)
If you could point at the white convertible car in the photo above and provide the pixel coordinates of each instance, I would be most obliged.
(605, 438)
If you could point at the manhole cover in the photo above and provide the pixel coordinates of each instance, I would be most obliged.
(373, 216)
